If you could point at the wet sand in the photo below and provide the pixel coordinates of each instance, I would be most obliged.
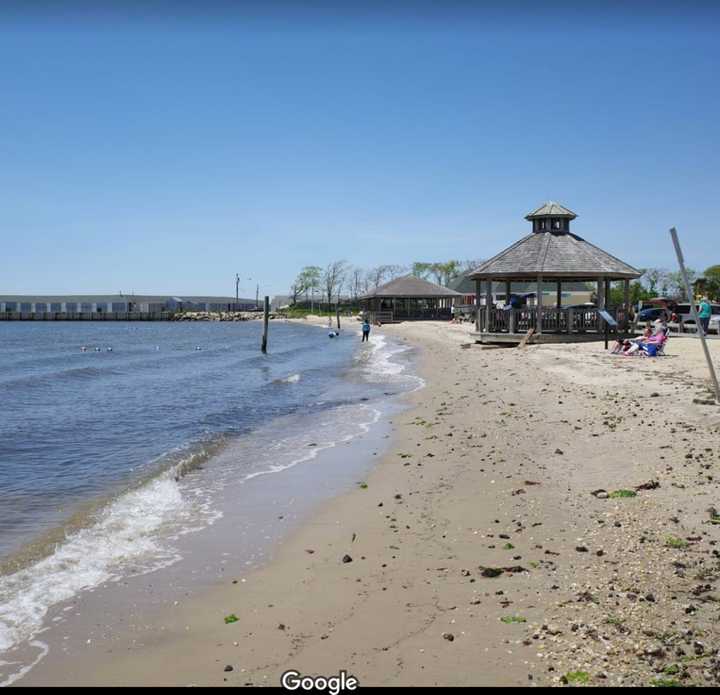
(476, 553)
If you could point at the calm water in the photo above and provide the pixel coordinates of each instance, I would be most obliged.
(95, 445)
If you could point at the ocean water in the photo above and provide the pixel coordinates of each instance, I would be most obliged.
(117, 439)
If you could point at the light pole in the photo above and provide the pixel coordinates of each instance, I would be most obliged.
(237, 290)
(257, 292)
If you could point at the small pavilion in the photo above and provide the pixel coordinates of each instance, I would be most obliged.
(409, 298)
(550, 255)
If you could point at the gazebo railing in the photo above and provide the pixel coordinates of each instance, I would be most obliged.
(554, 320)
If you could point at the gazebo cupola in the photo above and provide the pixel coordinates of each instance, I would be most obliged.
(551, 217)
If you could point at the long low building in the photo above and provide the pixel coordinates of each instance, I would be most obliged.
(118, 304)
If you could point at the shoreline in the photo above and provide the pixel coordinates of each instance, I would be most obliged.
(478, 553)
(333, 438)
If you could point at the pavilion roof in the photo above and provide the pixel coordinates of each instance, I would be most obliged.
(553, 254)
(410, 286)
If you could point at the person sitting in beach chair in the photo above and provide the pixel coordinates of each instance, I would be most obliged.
(623, 345)
(660, 350)
(661, 326)
(648, 347)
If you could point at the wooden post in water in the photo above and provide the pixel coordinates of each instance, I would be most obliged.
(691, 299)
(266, 317)
(337, 315)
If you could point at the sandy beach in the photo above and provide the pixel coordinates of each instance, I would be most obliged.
(543, 516)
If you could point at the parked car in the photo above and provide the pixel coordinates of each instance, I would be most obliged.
(685, 317)
(650, 314)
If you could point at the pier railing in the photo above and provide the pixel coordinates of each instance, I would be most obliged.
(401, 314)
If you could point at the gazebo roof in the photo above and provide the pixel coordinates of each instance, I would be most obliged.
(410, 286)
(552, 254)
(551, 209)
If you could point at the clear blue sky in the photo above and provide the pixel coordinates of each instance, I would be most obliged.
(164, 150)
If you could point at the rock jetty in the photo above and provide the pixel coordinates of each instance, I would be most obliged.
(221, 316)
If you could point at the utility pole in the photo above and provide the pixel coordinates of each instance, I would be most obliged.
(237, 290)
(257, 296)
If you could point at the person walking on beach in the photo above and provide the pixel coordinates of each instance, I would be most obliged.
(365, 331)
(704, 314)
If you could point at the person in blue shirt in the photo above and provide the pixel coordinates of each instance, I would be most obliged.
(365, 331)
(704, 314)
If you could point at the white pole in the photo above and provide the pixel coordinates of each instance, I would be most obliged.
(696, 318)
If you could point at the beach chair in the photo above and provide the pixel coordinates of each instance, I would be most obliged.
(654, 349)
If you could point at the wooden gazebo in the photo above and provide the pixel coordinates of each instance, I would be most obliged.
(408, 298)
(550, 255)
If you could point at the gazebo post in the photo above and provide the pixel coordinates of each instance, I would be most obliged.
(600, 302)
(478, 318)
(488, 304)
(539, 298)
(607, 295)
(626, 304)
(558, 306)
(511, 313)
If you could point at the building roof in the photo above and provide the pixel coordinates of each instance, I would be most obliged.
(104, 298)
(554, 255)
(411, 286)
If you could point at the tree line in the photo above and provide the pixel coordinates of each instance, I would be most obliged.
(666, 283)
(342, 279)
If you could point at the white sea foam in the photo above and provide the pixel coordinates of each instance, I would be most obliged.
(125, 534)
(358, 428)
(292, 379)
(381, 363)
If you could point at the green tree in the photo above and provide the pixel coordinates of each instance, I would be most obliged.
(676, 283)
(421, 270)
(441, 273)
(712, 282)
(657, 281)
(638, 293)
(712, 273)
(450, 271)
(307, 282)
